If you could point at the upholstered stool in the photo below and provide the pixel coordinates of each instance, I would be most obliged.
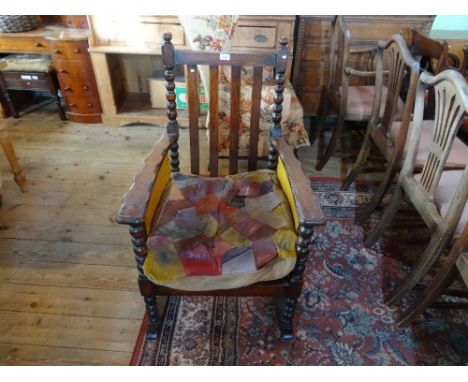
(28, 72)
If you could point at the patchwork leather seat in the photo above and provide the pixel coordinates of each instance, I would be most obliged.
(218, 233)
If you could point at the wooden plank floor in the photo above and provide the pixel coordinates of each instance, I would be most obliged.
(68, 291)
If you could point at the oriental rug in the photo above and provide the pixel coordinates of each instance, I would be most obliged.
(340, 318)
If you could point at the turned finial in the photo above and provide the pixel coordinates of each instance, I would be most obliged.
(283, 42)
(167, 37)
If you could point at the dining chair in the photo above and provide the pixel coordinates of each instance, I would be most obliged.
(439, 195)
(244, 234)
(338, 97)
(390, 136)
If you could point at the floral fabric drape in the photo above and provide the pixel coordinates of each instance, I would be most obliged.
(216, 33)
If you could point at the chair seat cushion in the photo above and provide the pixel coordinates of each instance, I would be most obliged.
(360, 99)
(458, 154)
(444, 194)
(221, 233)
(27, 63)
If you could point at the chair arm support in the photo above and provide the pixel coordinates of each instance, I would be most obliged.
(136, 200)
(305, 201)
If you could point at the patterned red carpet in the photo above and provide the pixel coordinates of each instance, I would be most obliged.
(340, 318)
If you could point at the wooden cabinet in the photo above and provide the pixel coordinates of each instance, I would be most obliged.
(126, 51)
(311, 56)
(76, 77)
(69, 51)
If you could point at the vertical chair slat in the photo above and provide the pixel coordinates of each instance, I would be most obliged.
(213, 124)
(234, 118)
(193, 108)
(255, 117)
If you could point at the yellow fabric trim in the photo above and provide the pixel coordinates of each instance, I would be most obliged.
(163, 177)
(286, 187)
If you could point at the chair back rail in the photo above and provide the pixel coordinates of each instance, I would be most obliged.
(194, 114)
(236, 61)
(400, 61)
(339, 55)
(429, 49)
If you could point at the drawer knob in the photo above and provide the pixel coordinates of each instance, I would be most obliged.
(37, 44)
(28, 83)
(76, 50)
(67, 88)
(86, 87)
(259, 38)
(61, 70)
(90, 104)
(71, 105)
(57, 51)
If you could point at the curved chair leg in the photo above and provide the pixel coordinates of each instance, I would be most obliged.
(322, 113)
(330, 150)
(9, 151)
(154, 318)
(382, 189)
(432, 291)
(386, 218)
(360, 160)
(432, 252)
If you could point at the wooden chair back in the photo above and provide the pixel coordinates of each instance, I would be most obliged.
(464, 64)
(236, 60)
(451, 100)
(399, 63)
(428, 50)
(339, 54)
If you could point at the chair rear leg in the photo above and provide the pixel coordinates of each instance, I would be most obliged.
(432, 252)
(322, 113)
(378, 195)
(335, 138)
(387, 217)
(154, 317)
(360, 160)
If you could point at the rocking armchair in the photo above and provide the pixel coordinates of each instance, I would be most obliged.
(245, 234)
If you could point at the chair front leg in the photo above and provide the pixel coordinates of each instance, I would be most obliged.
(379, 194)
(9, 151)
(288, 304)
(139, 239)
(387, 217)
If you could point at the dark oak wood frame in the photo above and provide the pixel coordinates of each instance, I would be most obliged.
(134, 207)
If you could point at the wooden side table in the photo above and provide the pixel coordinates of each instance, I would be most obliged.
(28, 72)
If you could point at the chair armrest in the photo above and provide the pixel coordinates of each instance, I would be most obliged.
(362, 49)
(135, 201)
(358, 73)
(306, 203)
